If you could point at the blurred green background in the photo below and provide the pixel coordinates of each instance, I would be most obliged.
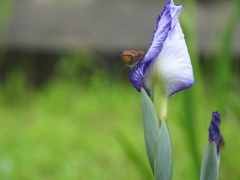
(75, 115)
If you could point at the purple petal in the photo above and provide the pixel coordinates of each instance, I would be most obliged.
(163, 25)
(167, 35)
(214, 130)
(137, 77)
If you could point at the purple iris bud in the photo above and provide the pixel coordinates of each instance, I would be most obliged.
(214, 130)
(167, 62)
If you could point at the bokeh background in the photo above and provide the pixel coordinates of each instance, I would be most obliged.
(68, 112)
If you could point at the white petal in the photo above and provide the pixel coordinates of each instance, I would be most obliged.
(172, 65)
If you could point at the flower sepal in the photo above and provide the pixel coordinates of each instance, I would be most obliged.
(157, 140)
(209, 168)
(164, 159)
(151, 127)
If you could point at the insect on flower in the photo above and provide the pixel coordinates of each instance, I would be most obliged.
(131, 58)
(222, 143)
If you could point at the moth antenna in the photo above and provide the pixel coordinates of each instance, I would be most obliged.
(123, 67)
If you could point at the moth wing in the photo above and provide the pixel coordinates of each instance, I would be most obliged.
(127, 58)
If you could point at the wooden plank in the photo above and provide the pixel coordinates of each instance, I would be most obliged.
(103, 25)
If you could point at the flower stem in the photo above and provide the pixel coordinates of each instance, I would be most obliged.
(159, 99)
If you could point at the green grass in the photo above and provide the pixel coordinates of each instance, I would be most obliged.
(74, 129)
(69, 131)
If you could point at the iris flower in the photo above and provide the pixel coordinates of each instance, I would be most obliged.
(215, 135)
(211, 160)
(166, 67)
(214, 130)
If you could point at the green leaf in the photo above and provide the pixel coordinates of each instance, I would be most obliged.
(209, 169)
(151, 127)
(164, 159)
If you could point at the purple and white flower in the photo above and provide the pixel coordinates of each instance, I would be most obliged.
(167, 62)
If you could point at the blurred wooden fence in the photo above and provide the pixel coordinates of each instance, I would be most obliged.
(44, 30)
